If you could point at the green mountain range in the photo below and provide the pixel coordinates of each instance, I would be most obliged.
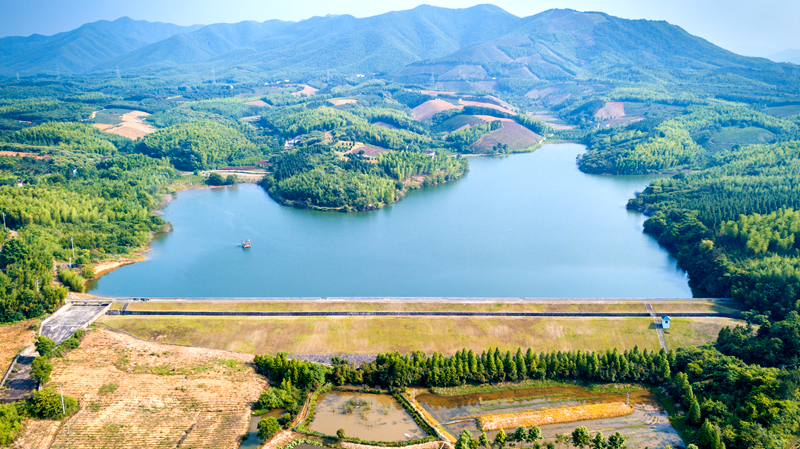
(478, 44)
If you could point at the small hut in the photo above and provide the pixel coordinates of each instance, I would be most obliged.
(665, 322)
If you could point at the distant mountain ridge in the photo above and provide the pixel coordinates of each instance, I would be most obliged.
(477, 43)
(82, 48)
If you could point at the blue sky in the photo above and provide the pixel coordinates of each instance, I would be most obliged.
(764, 26)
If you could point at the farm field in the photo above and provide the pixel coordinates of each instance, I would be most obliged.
(370, 335)
(131, 395)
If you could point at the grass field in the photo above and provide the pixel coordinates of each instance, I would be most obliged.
(316, 335)
(696, 331)
(131, 395)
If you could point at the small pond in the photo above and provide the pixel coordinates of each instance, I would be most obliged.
(372, 417)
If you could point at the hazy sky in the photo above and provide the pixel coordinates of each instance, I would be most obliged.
(768, 25)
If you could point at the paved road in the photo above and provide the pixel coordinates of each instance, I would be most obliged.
(19, 384)
(66, 323)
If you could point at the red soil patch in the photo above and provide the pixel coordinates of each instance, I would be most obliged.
(430, 108)
(486, 105)
(368, 151)
(612, 109)
(489, 118)
(516, 136)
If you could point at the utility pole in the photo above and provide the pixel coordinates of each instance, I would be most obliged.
(17, 76)
(63, 409)
(37, 286)
(118, 72)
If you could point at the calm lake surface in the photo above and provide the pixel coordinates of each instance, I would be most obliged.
(529, 225)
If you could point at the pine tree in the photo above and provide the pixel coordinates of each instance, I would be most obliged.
(500, 439)
(694, 412)
(708, 437)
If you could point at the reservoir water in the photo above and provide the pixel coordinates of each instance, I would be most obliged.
(529, 225)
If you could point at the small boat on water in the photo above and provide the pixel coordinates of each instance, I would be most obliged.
(245, 243)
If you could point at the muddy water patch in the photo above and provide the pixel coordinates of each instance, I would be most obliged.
(252, 441)
(372, 417)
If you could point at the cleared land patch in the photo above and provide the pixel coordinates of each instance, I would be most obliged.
(257, 103)
(612, 109)
(430, 108)
(370, 335)
(122, 122)
(13, 339)
(147, 405)
(516, 136)
(341, 101)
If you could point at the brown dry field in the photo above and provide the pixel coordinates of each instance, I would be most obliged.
(257, 103)
(147, 407)
(13, 339)
(430, 108)
(370, 335)
(611, 109)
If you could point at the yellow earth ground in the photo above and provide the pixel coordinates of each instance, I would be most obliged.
(13, 339)
(131, 395)
(132, 126)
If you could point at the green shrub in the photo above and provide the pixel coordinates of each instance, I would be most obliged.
(10, 423)
(46, 404)
(41, 369)
(72, 280)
